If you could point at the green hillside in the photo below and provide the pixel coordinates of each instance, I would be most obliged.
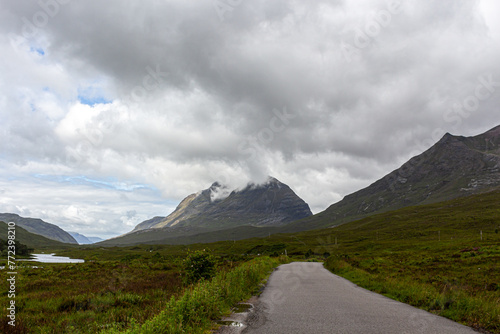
(32, 240)
(40, 227)
(431, 256)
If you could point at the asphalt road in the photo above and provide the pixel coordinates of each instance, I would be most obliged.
(304, 297)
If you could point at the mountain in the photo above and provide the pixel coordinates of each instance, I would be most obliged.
(93, 240)
(455, 166)
(218, 208)
(270, 204)
(30, 239)
(149, 223)
(38, 226)
(83, 240)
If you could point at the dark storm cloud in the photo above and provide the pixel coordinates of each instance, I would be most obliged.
(238, 90)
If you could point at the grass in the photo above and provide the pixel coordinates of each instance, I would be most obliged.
(83, 298)
(453, 283)
(127, 289)
(443, 258)
(429, 256)
(201, 304)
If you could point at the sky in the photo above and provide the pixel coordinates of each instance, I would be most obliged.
(112, 112)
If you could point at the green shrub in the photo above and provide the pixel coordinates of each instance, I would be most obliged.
(74, 304)
(199, 265)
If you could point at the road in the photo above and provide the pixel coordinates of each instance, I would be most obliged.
(304, 297)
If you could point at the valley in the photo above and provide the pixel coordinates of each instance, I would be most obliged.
(426, 234)
(432, 256)
(327, 166)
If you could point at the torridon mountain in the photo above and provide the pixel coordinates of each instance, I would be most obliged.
(455, 166)
(217, 208)
(83, 240)
(38, 226)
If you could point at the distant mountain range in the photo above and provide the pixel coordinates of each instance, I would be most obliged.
(218, 208)
(38, 226)
(455, 166)
(83, 240)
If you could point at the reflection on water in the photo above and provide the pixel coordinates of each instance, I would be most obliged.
(51, 258)
(230, 323)
(241, 308)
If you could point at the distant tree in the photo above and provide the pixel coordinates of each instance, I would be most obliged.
(21, 249)
(199, 265)
(309, 253)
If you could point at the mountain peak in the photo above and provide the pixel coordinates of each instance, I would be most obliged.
(455, 166)
(447, 138)
(218, 191)
(216, 184)
(271, 182)
(271, 203)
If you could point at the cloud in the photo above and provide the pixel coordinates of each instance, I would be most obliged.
(174, 95)
(92, 206)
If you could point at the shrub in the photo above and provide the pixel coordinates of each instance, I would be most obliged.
(199, 265)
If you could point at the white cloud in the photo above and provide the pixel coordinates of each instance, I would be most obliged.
(185, 98)
(90, 208)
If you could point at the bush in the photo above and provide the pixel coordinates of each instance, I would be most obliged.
(199, 265)
(21, 249)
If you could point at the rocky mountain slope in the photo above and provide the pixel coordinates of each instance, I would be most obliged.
(217, 208)
(38, 226)
(270, 204)
(455, 166)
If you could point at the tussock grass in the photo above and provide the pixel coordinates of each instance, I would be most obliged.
(82, 298)
(195, 310)
(440, 291)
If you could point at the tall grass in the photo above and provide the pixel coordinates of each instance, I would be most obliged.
(195, 310)
(82, 298)
(478, 309)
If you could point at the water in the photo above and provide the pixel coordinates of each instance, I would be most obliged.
(230, 323)
(241, 308)
(51, 258)
(238, 308)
